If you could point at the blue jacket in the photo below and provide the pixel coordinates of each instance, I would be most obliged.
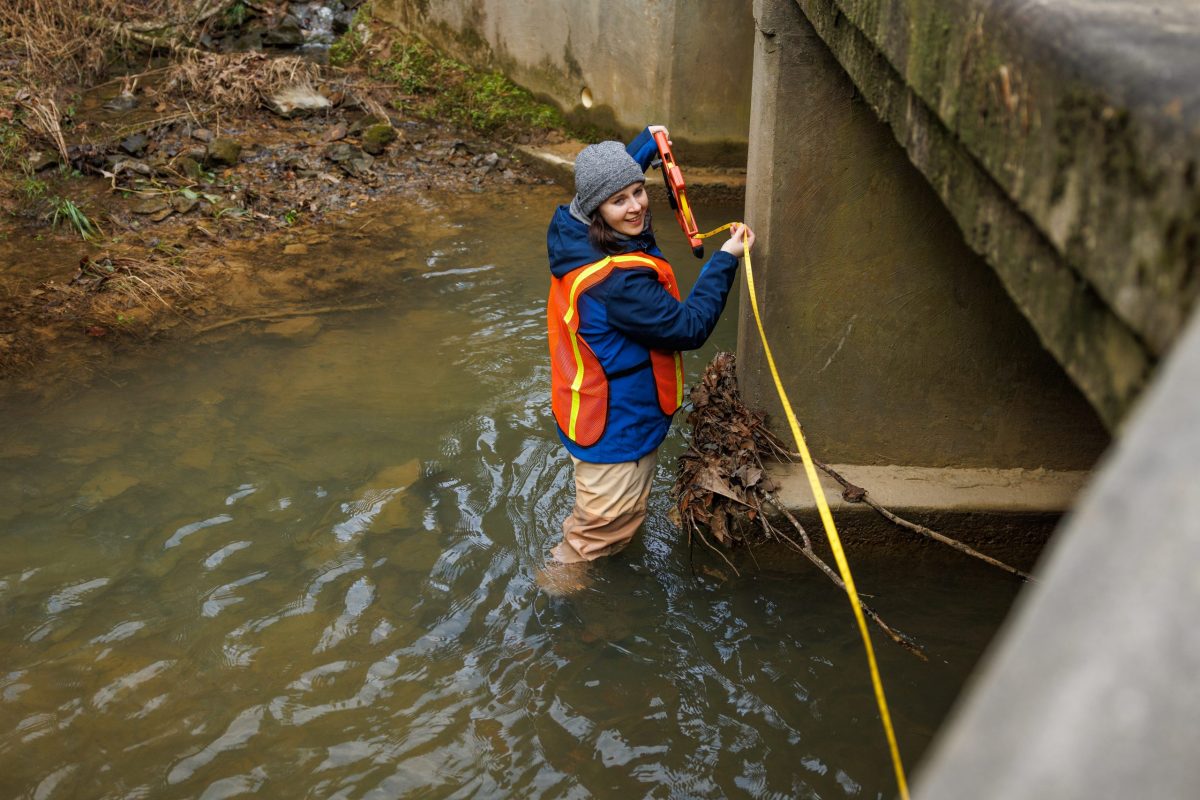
(628, 313)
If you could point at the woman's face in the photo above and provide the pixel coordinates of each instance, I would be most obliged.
(625, 211)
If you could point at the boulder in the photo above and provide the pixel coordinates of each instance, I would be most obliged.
(135, 145)
(366, 121)
(287, 33)
(376, 138)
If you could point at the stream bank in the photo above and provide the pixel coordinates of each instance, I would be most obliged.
(164, 198)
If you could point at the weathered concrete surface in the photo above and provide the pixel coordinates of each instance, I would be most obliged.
(1091, 691)
(1005, 513)
(896, 342)
(705, 184)
(1064, 137)
(682, 64)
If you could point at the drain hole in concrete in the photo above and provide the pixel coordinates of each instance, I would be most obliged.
(585, 97)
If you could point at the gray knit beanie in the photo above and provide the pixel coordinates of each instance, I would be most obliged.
(602, 170)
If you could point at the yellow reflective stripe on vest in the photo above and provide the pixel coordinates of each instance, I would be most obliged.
(678, 379)
(579, 368)
(578, 381)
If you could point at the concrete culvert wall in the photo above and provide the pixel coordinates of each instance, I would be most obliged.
(684, 65)
(896, 342)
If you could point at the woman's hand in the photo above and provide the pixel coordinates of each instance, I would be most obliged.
(741, 239)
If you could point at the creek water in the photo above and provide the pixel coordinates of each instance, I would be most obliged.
(303, 565)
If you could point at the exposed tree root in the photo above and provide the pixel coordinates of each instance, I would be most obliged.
(293, 312)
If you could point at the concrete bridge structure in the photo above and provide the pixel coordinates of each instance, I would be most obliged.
(979, 250)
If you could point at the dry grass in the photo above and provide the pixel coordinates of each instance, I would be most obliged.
(236, 80)
(159, 277)
(53, 42)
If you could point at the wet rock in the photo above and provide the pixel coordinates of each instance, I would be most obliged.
(485, 164)
(376, 138)
(135, 145)
(336, 133)
(364, 122)
(131, 165)
(222, 152)
(297, 100)
(287, 33)
(202, 135)
(342, 21)
(358, 167)
(249, 41)
(151, 205)
(183, 203)
(341, 152)
(189, 166)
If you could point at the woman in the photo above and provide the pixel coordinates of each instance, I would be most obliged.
(616, 326)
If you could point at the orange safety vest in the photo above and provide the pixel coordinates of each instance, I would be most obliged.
(578, 384)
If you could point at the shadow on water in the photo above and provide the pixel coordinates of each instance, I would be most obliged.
(302, 564)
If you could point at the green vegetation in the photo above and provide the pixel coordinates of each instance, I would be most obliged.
(235, 15)
(442, 88)
(12, 142)
(31, 188)
(65, 210)
(353, 43)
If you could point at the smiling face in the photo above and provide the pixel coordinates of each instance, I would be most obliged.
(625, 211)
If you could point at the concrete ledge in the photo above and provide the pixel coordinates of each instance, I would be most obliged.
(725, 185)
(1007, 513)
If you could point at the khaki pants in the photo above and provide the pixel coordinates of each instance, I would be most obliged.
(610, 504)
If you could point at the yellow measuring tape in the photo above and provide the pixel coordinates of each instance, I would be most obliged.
(835, 541)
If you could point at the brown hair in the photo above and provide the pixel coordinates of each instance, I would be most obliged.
(604, 238)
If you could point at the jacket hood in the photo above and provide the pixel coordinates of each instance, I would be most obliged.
(568, 247)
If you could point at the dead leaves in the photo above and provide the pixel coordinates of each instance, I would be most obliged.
(721, 476)
(721, 485)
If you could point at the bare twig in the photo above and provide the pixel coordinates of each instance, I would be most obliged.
(857, 494)
(807, 551)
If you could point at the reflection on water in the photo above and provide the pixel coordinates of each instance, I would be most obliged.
(302, 565)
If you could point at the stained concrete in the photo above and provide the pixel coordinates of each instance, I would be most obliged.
(1064, 138)
(1091, 690)
(682, 64)
(896, 342)
(704, 184)
(1007, 514)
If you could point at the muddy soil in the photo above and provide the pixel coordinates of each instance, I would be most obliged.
(207, 218)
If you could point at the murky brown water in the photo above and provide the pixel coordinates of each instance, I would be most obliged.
(302, 566)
